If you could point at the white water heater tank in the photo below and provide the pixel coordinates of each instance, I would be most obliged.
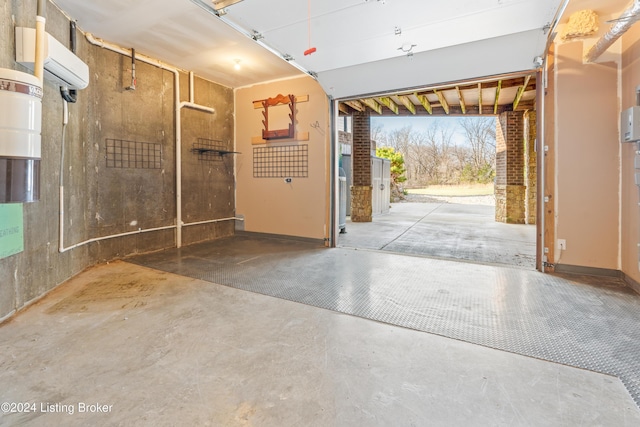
(20, 136)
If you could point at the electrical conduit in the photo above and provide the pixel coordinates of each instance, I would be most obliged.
(178, 144)
(626, 20)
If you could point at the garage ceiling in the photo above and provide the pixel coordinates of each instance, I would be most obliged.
(361, 46)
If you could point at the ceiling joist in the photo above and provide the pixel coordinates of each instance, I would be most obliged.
(388, 102)
(425, 103)
(461, 99)
(521, 90)
(373, 104)
(496, 102)
(480, 98)
(443, 101)
(356, 105)
(407, 103)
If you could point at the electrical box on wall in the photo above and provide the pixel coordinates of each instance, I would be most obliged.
(630, 125)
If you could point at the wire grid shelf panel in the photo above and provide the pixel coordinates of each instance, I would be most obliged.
(282, 161)
(133, 154)
(210, 149)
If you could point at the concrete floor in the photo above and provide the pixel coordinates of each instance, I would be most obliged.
(162, 349)
(445, 230)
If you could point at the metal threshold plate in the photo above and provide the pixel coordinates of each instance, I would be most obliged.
(590, 323)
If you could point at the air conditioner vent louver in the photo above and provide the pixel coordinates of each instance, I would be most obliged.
(60, 64)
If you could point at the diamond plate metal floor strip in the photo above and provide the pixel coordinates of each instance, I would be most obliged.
(590, 323)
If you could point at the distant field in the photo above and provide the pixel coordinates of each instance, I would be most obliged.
(454, 190)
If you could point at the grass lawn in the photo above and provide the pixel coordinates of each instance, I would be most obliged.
(455, 190)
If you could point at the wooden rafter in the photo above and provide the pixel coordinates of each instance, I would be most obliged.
(388, 102)
(407, 103)
(344, 108)
(425, 103)
(373, 104)
(443, 101)
(356, 105)
(521, 90)
(463, 106)
(495, 104)
(434, 100)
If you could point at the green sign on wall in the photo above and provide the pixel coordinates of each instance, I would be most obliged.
(11, 229)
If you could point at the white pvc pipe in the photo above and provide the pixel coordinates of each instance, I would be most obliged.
(191, 87)
(38, 69)
(178, 138)
(197, 107)
(113, 236)
(626, 20)
(213, 220)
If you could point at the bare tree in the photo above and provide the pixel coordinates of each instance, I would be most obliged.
(433, 157)
(481, 137)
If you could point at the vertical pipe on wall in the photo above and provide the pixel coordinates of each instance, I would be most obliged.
(540, 151)
(40, 40)
(333, 174)
(178, 134)
(178, 107)
(191, 90)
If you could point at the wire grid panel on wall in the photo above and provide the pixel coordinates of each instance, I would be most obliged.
(210, 149)
(133, 154)
(282, 161)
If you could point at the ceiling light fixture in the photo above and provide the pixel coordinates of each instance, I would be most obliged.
(207, 6)
(237, 66)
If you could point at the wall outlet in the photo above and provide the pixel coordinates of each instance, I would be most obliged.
(562, 244)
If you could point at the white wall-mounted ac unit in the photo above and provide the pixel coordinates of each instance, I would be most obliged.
(60, 64)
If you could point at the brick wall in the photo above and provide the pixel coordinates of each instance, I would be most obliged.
(515, 148)
(361, 149)
(510, 188)
(501, 150)
(361, 197)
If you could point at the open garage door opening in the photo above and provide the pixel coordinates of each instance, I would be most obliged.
(450, 172)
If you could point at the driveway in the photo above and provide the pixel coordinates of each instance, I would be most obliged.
(460, 228)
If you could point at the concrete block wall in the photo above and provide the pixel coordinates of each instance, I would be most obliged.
(101, 201)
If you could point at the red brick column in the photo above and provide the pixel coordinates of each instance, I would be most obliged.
(510, 189)
(361, 201)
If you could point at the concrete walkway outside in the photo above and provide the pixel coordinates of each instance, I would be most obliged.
(445, 230)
